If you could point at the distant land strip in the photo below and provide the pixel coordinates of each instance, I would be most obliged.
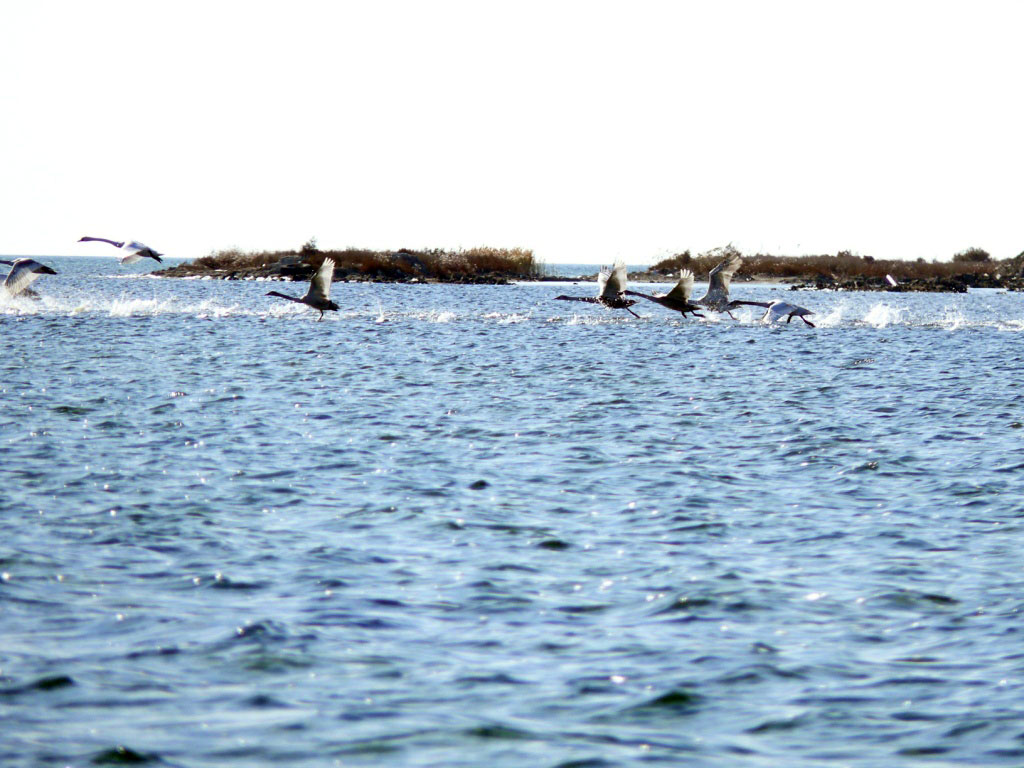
(474, 265)
(972, 268)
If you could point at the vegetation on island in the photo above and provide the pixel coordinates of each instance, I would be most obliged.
(972, 267)
(849, 271)
(843, 265)
(472, 265)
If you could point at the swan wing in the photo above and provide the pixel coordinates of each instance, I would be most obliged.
(780, 309)
(320, 285)
(135, 250)
(616, 281)
(720, 277)
(683, 288)
(602, 280)
(23, 273)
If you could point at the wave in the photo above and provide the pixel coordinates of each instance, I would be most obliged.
(992, 313)
(882, 315)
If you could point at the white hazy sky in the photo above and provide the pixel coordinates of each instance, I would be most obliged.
(583, 130)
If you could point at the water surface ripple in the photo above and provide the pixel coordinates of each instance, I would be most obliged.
(469, 525)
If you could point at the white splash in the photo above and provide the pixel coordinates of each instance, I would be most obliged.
(953, 319)
(1011, 325)
(435, 316)
(882, 315)
(135, 307)
(833, 318)
(130, 307)
(745, 315)
(210, 308)
(286, 310)
(17, 306)
(583, 320)
(506, 319)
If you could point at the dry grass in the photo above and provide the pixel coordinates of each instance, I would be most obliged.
(844, 265)
(234, 258)
(435, 264)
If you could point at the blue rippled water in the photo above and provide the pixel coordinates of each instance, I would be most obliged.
(470, 525)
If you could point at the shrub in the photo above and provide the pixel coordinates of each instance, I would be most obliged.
(700, 264)
(673, 263)
(972, 255)
(843, 266)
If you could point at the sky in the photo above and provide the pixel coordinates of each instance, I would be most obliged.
(585, 131)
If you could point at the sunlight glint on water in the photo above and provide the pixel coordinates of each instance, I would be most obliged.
(491, 531)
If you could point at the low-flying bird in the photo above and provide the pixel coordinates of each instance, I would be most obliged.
(318, 295)
(678, 298)
(133, 249)
(23, 273)
(776, 310)
(610, 288)
(717, 296)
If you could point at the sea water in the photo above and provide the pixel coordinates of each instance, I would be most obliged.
(473, 526)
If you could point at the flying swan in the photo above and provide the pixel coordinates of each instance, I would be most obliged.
(678, 298)
(610, 287)
(318, 295)
(717, 297)
(23, 273)
(134, 250)
(776, 310)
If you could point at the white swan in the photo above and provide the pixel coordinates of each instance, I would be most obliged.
(783, 309)
(134, 250)
(776, 310)
(23, 273)
(611, 285)
(318, 295)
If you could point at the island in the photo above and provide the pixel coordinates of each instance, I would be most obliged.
(496, 266)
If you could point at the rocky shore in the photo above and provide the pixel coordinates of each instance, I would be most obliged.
(953, 284)
(298, 269)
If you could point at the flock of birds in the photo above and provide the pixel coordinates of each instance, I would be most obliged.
(612, 293)
(611, 287)
(25, 271)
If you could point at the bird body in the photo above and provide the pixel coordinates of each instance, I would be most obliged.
(719, 278)
(133, 249)
(611, 285)
(783, 309)
(318, 295)
(776, 310)
(23, 273)
(678, 298)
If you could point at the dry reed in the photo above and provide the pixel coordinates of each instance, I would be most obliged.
(842, 266)
(433, 264)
